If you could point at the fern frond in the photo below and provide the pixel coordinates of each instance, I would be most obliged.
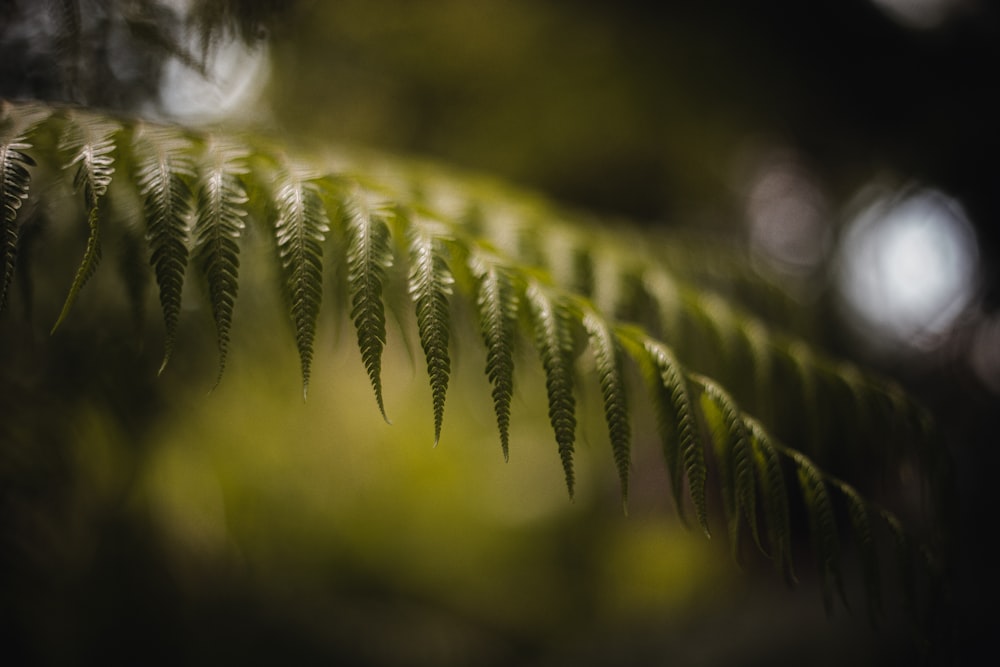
(596, 281)
(858, 512)
(757, 341)
(497, 303)
(666, 297)
(430, 286)
(734, 457)
(300, 230)
(90, 141)
(15, 180)
(91, 258)
(369, 257)
(508, 229)
(614, 292)
(678, 431)
(774, 494)
(219, 223)
(553, 337)
(822, 525)
(164, 175)
(718, 324)
(608, 360)
(805, 374)
(666, 422)
(18, 121)
(567, 260)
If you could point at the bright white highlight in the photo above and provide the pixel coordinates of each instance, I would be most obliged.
(908, 267)
(236, 75)
(919, 14)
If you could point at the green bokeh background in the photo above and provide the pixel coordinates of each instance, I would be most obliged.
(161, 521)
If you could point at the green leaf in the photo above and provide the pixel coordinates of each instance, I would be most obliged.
(497, 303)
(636, 341)
(369, 257)
(805, 374)
(774, 495)
(666, 297)
(300, 230)
(758, 343)
(615, 287)
(608, 359)
(164, 172)
(430, 285)
(678, 431)
(90, 141)
(18, 121)
(551, 322)
(823, 526)
(566, 258)
(735, 460)
(857, 510)
(220, 210)
(15, 180)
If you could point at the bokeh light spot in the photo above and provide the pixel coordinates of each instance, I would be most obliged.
(908, 267)
(235, 78)
(918, 14)
(787, 215)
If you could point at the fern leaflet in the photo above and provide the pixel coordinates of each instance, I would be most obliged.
(165, 171)
(90, 140)
(16, 125)
(804, 373)
(497, 302)
(857, 510)
(678, 430)
(823, 525)
(608, 359)
(300, 230)
(369, 256)
(755, 337)
(221, 201)
(566, 257)
(635, 339)
(735, 459)
(665, 294)
(774, 494)
(430, 285)
(553, 338)
(15, 180)
(613, 285)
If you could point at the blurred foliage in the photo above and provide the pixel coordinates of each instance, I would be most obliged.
(249, 526)
(646, 109)
(576, 102)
